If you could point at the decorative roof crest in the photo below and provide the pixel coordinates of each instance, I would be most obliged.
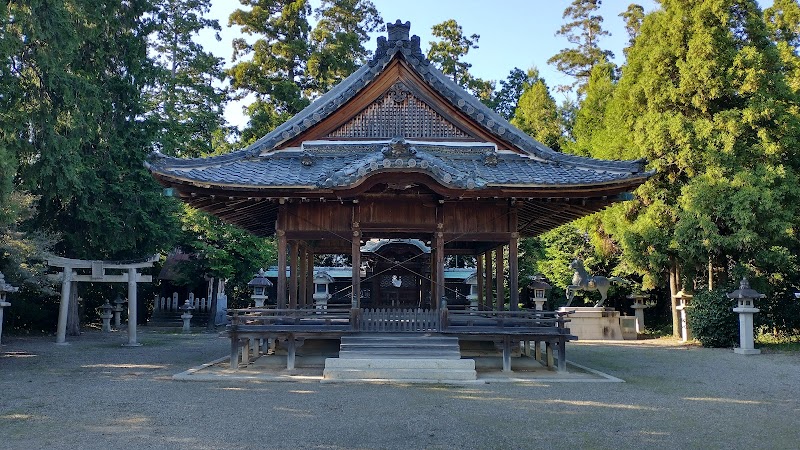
(490, 159)
(307, 159)
(398, 147)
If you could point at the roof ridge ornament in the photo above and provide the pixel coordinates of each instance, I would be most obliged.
(490, 158)
(398, 147)
(398, 31)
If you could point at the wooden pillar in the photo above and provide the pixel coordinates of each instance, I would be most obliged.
(356, 254)
(292, 275)
(310, 277)
(487, 301)
(498, 267)
(439, 270)
(281, 290)
(303, 276)
(513, 271)
(63, 308)
(479, 276)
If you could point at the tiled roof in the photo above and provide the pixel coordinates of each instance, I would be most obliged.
(340, 165)
(259, 166)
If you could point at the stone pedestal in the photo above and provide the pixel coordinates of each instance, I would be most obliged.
(539, 302)
(590, 323)
(2, 306)
(746, 341)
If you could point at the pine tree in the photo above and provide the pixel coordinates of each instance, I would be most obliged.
(584, 30)
(448, 54)
(633, 17)
(338, 39)
(185, 100)
(505, 100)
(275, 71)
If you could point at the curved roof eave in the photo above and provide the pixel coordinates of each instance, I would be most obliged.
(399, 45)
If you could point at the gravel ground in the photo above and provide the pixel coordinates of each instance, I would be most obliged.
(94, 394)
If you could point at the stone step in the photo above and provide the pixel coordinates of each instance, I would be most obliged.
(417, 358)
(419, 369)
(399, 354)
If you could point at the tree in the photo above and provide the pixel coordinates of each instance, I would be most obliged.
(783, 22)
(338, 39)
(82, 139)
(448, 54)
(590, 117)
(275, 73)
(537, 113)
(703, 98)
(505, 100)
(584, 30)
(633, 17)
(184, 100)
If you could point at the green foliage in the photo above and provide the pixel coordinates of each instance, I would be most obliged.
(78, 72)
(590, 117)
(338, 39)
(537, 113)
(712, 319)
(584, 29)
(223, 251)
(275, 71)
(448, 54)
(184, 99)
(505, 100)
(633, 17)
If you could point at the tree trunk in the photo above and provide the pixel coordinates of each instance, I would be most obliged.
(674, 285)
(710, 274)
(73, 314)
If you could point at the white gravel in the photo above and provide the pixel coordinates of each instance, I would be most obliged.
(95, 394)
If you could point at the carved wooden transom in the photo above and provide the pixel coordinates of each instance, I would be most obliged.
(398, 113)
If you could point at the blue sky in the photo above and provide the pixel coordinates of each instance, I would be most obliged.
(513, 33)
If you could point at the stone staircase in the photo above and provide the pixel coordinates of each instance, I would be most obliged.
(418, 358)
(172, 319)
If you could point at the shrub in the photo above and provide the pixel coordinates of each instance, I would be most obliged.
(712, 319)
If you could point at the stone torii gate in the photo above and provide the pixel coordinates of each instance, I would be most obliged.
(99, 275)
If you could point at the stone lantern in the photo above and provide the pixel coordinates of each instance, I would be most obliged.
(746, 308)
(187, 309)
(683, 306)
(118, 311)
(4, 289)
(106, 315)
(539, 288)
(639, 305)
(260, 283)
(322, 294)
(472, 282)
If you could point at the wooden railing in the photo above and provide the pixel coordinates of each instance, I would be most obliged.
(398, 320)
(514, 322)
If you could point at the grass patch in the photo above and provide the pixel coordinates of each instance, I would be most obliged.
(778, 342)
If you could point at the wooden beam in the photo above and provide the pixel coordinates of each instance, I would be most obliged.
(488, 277)
(479, 276)
(439, 270)
(513, 272)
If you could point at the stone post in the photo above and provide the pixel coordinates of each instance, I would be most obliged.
(4, 288)
(63, 310)
(132, 313)
(745, 308)
(639, 306)
(187, 316)
(683, 300)
(106, 316)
